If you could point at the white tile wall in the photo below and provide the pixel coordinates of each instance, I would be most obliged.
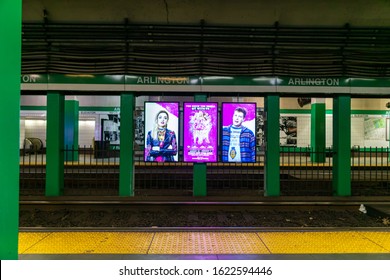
(22, 133)
(303, 127)
(37, 129)
(328, 131)
(357, 131)
(86, 132)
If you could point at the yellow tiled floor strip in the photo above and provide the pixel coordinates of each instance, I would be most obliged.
(204, 242)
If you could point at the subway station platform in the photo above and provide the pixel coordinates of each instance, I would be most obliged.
(205, 244)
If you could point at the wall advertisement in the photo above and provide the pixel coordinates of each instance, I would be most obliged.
(200, 132)
(161, 131)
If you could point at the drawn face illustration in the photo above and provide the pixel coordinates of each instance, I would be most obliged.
(238, 118)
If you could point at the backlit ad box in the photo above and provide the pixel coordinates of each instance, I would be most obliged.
(238, 140)
(161, 131)
(200, 132)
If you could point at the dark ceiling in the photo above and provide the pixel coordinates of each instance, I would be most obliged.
(205, 50)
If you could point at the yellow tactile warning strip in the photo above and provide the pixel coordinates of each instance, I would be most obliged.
(204, 242)
(325, 242)
(207, 243)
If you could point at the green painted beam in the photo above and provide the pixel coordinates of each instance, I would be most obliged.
(10, 65)
(126, 165)
(342, 145)
(55, 144)
(272, 150)
(200, 169)
(71, 133)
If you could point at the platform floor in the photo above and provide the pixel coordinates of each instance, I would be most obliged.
(205, 244)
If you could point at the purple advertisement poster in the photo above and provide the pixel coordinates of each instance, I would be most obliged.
(161, 131)
(200, 132)
(238, 132)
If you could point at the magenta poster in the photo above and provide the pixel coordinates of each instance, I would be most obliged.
(238, 132)
(161, 131)
(200, 132)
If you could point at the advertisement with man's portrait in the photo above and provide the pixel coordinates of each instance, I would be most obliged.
(200, 132)
(161, 131)
(238, 136)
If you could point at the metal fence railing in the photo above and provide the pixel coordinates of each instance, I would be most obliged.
(306, 172)
(303, 172)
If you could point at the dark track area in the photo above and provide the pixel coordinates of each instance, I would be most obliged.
(100, 213)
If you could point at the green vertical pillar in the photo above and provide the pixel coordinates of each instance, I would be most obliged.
(342, 145)
(10, 62)
(126, 166)
(272, 146)
(200, 169)
(318, 128)
(71, 122)
(55, 144)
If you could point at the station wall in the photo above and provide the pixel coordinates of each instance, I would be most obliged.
(369, 117)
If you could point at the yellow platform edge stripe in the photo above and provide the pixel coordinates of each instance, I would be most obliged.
(324, 242)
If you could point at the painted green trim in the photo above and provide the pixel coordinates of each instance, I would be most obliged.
(228, 84)
(86, 79)
(238, 81)
(81, 108)
(282, 111)
(199, 187)
(71, 134)
(100, 109)
(272, 149)
(370, 112)
(342, 146)
(126, 163)
(33, 108)
(318, 132)
(370, 82)
(55, 144)
(10, 69)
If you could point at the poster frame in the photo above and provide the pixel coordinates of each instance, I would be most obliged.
(148, 123)
(186, 128)
(253, 126)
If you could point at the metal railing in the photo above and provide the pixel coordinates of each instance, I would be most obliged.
(303, 172)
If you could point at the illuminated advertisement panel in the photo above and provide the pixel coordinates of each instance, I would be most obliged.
(200, 132)
(161, 131)
(238, 132)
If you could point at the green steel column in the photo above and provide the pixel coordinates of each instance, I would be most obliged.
(200, 169)
(126, 167)
(71, 140)
(342, 146)
(55, 144)
(10, 57)
(272, 146)
(318, 127)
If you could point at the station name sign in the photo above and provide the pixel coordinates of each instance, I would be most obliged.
(155, 80)
(314, 82)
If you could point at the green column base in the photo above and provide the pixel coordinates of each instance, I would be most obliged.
(200, 179)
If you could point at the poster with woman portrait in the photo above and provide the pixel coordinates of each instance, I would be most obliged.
(200, 132)
(161, 131)
(238, 136)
